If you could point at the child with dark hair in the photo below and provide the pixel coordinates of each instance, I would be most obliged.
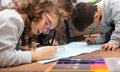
(106, 15)
(83, 15)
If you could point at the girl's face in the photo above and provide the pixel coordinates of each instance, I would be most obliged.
(45, 24)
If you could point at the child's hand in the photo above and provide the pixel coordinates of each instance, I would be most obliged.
(90, 41)
(108, 47)
(47, 53)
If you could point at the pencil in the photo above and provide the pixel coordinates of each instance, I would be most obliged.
(90, 33)
(53, 37)
(91, 30)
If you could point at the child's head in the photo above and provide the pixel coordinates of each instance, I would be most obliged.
(83, 15)
(65, 7)
(42, 15)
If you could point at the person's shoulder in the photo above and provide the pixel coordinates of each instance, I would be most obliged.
(10, 14)
(12, 17)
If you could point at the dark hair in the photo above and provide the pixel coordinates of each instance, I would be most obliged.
(83, 15)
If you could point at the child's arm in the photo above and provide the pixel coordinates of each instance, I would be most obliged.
(115, 17)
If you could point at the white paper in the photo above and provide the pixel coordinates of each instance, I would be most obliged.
(71, 49)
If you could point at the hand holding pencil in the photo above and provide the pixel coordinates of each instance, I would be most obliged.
(53, 41)
(89, 39)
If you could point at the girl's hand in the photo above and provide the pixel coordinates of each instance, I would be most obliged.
(90, 41)
(47, 53)
(108, 47)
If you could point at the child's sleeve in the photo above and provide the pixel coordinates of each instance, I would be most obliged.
(11, 28)
(100, 39)
(7, 3)
(115, 37)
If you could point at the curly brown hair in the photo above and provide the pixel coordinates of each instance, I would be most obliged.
(34, 10)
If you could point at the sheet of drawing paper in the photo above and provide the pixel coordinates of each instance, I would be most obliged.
(71, 49)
